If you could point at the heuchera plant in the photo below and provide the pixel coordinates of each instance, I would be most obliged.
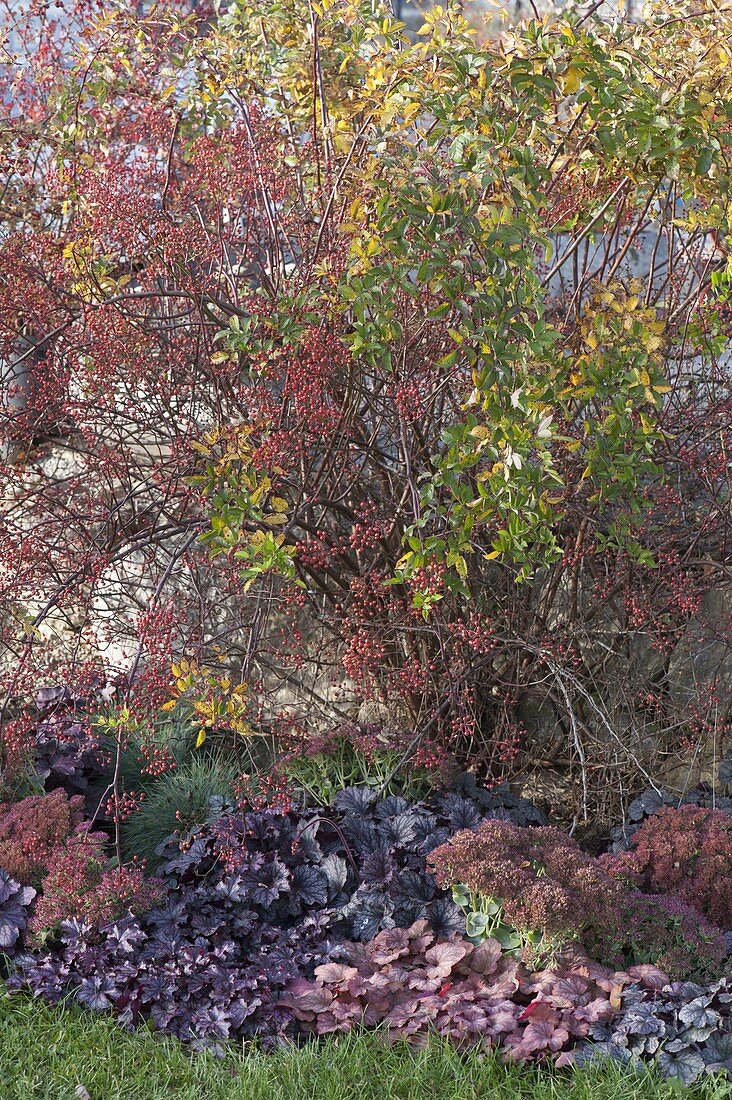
(202, 976)
(362, 860)
(683, 1028)
(66, 748)
(14, 902)
(415, 984)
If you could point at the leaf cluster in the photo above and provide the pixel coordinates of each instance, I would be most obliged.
(683, 1028)
(414, 985)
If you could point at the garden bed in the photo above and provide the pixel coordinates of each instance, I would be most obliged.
(460, 913)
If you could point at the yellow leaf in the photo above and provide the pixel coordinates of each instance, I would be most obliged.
(571, 81)
(170, 705)
(201, 738)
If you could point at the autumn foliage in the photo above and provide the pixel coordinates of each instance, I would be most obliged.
(325, 364)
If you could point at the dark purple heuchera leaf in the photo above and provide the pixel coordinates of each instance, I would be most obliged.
(497, 800)
(267, 882)
(354, 800)
(445, 918)
(369, 912)
(461, 813)
(307, 842)
(363, 835)
(194, 854)
(309, 887)
(415, 887)
(378, 869)
(96, 993)
(336, 873)
(67, 754)
(399, 831)
(14, 902)
(391, 806)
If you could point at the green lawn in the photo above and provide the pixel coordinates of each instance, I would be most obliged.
(61, 1054)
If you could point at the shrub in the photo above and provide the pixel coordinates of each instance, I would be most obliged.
(176, 802)
(83, 885)
(31, 831)
(391, 419)
(686, 852)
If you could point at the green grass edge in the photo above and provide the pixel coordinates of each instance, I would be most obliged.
(64, 1053)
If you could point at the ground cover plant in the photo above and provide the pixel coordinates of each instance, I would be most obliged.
(686, 852)
(278, 921)
(541, 890)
